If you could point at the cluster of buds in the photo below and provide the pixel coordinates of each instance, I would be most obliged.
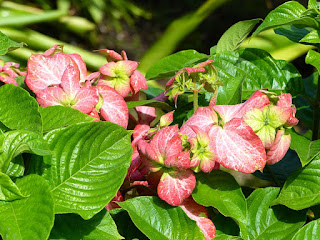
(9, 71)
(61, 79)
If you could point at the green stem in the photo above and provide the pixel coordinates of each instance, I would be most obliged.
(195, 100)
(316, 114)
(42, 42)
(273, 176)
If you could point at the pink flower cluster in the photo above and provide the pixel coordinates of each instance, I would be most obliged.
(61, 79)
(8, 71)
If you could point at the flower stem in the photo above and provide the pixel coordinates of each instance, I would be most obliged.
(195, 100)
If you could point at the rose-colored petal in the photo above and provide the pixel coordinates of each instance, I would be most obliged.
(81, 66)
(146, 114)
(51, 96)
(207, 227)
(111, 55)
(279, 148)
(166, 119)
(70, 81)
(54, 49)
(43, 71)
(108, 69)
(204, 118)
(227, 112)
(203, 64)
(138, 132)
(137, 82)
(285, 100)
(86, 99)
(135, 163)
(117, 198)
(114, 108)
(236, 146)
(180, 160)
(194, 70)
(8, 80)
(94, 113)
(175, 187)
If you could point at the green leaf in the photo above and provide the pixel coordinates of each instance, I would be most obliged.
(8, 189)
(72, 227)
(28, 218)
(151, 103)
(231, 91)
(233, 37)
(263, 222)
(301, 145)
(288, 13)
(16, 167)
(158, 220)
(18, 109)
(313, 4)
(18, 141)
(7, 45)
(54, 117)
(309, 231)
(226, 237)
(125, 226)
(312, 37)
(220, 190)
(259, 70)
(292, 32)
(302, 189)
(169, 65)
(313, 58)
(225, 225)
(88, 166)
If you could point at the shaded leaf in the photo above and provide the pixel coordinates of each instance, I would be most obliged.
(72, 227)
(312, 37)
(225, 226)
(18, 109)
(8, 189)
(31, 217)
(16, 167)
(7, 45)
(87, 167)
(169, 65)
(234, 36)
(292, 32)
(158, 220)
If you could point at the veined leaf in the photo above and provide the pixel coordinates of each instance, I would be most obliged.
(54, 117)
(169, 65)
(231, 91)
(72, 226)
(302, 189)
(158, 220)
(7, 45)
(234, 36)
(309, 231)
(16, 167)
(8, 189)
(293, 33)
(312, 37)
(259, 70)
(88, 165)
(290, 12)
(18, 109)
(18, 141)
(31, 217)
(313, 58)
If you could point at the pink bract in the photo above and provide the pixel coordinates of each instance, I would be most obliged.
(279, 148)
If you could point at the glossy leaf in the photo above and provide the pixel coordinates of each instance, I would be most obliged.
(226, 237)
(151, 103)
(309, 231)
(312, 37)
(8, 189)
(31, 217)
(16, 167)
(313, 58)
(54, 117)
(18, 109)
(125, 226)
(169, 65)
(233, 37)
(72, 227)
(263, 221)
(18, 141)
(7, 45)
(259, 71)
(220, 190)
(231, 91)
(288, 13)
(88, 165)
(302, 189)
(158, 220)
(292, 32)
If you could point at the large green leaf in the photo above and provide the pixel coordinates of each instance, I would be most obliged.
(290, 12)
(231, 91)
(31, 217)
(7, 45)
(16, 167)
(292, 32)
(88, 165)
(309, 232)
(160, 221)
(169, 65)
(312, 37)
(263, 221)
(234, 36)
(125, 226)
(302, 189)
(259, 70)
(220, 190)
(18, 110)
(226, 237)
(8, 189)
(313, 58)
(73, 227)
(54, 117)
(18, 141)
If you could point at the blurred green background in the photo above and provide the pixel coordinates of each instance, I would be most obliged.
(147, 30)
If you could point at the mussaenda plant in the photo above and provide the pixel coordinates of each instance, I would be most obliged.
(101, 156)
